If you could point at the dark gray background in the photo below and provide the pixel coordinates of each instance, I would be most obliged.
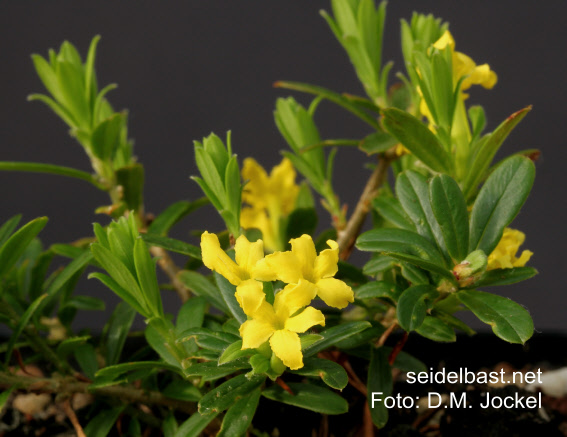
(185, 69)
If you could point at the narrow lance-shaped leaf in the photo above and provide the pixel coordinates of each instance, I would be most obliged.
(380, 385)
(412, 305)
(239, 417)
(308, 396)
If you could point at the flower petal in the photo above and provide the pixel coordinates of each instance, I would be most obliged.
(258, 219)
(217, 260)
(250, 296)
(255, 190)
(254, 333)
(334, 292)
(285, 266)
(306, 319)
(282, 185)
(294, 297)
(287, 347)
(326, 264)
(248, 254)
(304, 249)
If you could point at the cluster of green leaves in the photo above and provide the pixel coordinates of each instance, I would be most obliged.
(432, 234)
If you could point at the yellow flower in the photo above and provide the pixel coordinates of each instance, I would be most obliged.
(247, 256)
(270, 198)
(280, 323)
(504, 256)
(302, 263)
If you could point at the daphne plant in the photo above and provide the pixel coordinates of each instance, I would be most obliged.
(283, 311)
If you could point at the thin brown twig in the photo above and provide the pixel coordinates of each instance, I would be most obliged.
(171, 270)
(398, 348)
(386, 334)
(367, 423)
(283, 385)
(73, 418)
(347, 237)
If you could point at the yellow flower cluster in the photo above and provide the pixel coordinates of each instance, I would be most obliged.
(504, 256)
(270, 198)
(306, 274)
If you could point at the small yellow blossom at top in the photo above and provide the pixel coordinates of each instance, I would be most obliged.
(269, 198)
(302, 263)
(504, 256)
(279, 323)
(247, 255)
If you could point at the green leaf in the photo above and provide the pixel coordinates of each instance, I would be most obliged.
(362, 338)
(450, 210)
(412, 305)
(379, 381)
(391, 210)
(182, 391)
(378, 264)
(156, 335)
(103, 422)
(69, 272)
(131, 178)
(16, 245)
(505, 276)
(173, 214)
(227, 291)
(406, 246)
(308, 339)
(172, 245)
(8, 227)
(485, 154)
(201, 286)
(147, 278)
(116, 331)
(413, 193)
(85, 303)
(222, 397)
(509, 321)
(377, 142)
(193, 426)
(191, 314)
(23, 322)
(208, 339)
(115, 371)
(4, 398)
(331, 96)
(436, 330)
(418, 139)
(301, 221)
(308, 396)
(378, 290)
(239, 417)
(499, 201)
(210, 370)
(332, 374)
(233, 352)
(86, 357)
(211, 176)
(106, 137)
(233, 186)
(334, 335)
(68, 346)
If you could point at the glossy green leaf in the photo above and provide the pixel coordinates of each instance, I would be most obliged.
(191, 314)
(499, 201)
(332, 374)
(450, 210)
(334, 335)
(227, 291)
(413, 192)
(239, 417)
(301, 221)
(222, 397)
(156, 334)
(4, 398)
(436, 330)
(85, 303)
(182, 391)
(308, 396)
(103, 422)
(173, 214)
(308, 339)
(418, 139)
(193, 426)
(22, 323)
(505, 276)
(208, 339)
(16, 245)
(8, 227)
(210, 370)
(116, 331)
(147, 278)
(362, 338)
(391, 210)
(378, 290)
(201, 286)
(451, 320)
(413, 305)
(377, 142)
(509, 320)
(379, 382)
(33, 167)
(485, 154)
(233, 352)
(378, 264)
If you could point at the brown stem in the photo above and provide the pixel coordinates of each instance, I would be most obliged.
(283, 385)
(73, 418)
(397, 348)
(68, 386)
(347, 236)
(171, 270)
(386, 334)
(367, 424)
